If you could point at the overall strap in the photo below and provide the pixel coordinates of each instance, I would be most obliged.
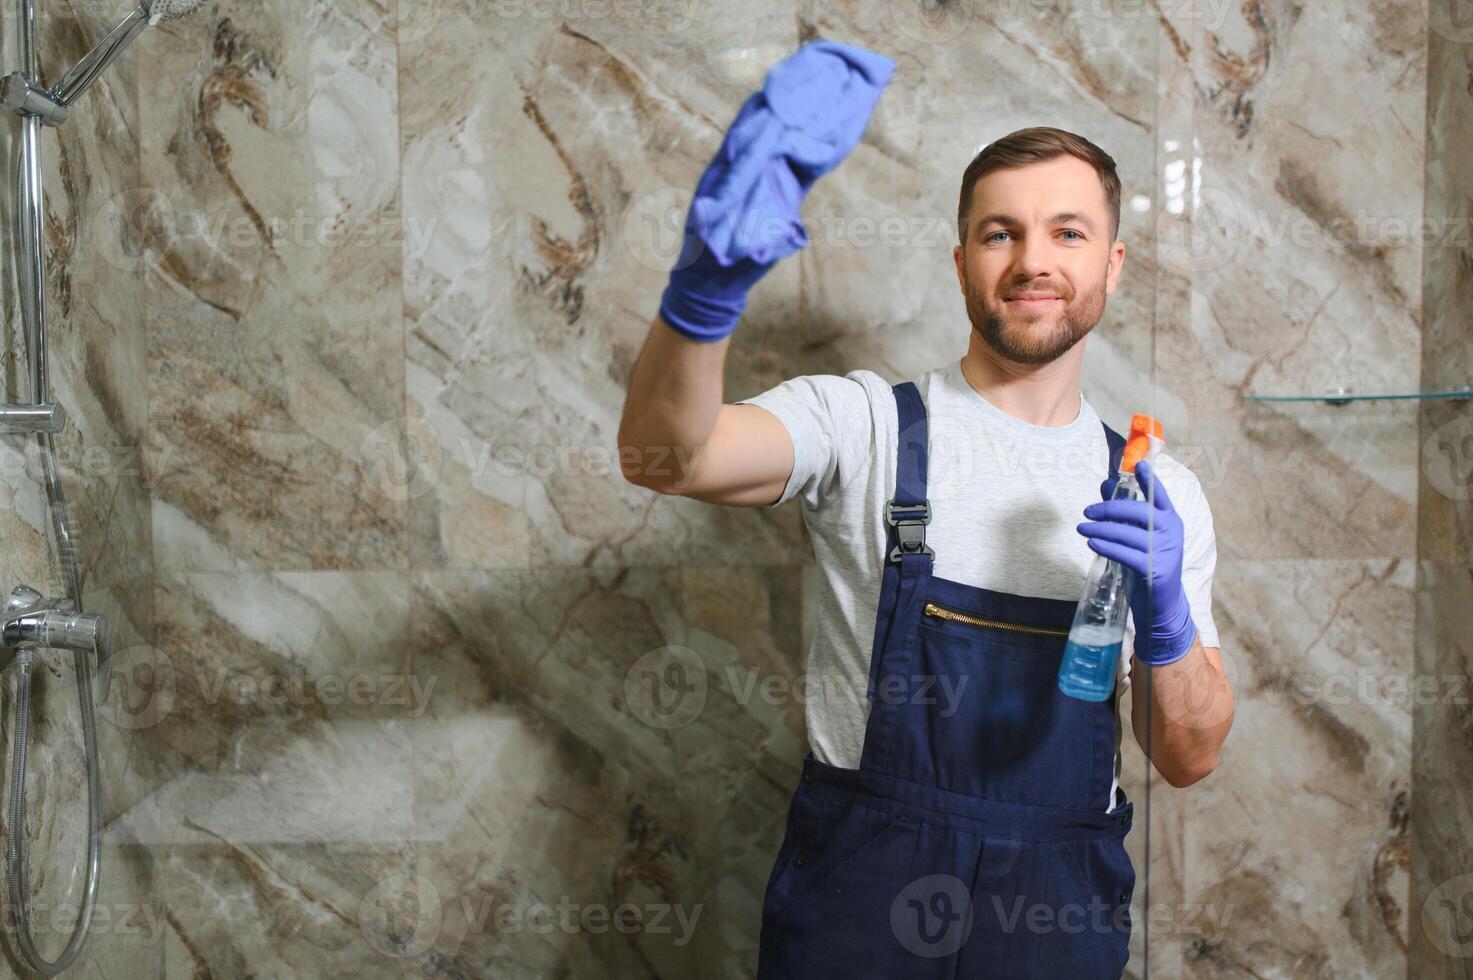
(907, 558)
(908, 512)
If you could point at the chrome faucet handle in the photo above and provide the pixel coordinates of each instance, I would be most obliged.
(23, 597)
(35, 621)
(88, 632)
(47, 626)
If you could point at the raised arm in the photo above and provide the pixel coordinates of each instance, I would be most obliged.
(677, 437)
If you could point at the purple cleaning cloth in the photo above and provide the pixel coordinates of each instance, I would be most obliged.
(810, 113)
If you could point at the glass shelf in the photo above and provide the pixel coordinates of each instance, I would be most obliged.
(1340, 396)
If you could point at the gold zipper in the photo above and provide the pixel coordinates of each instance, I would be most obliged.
(941, 612)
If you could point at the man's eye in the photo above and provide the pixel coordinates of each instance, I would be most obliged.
(1067, 231)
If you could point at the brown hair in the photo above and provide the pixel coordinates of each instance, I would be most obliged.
(1036, 145)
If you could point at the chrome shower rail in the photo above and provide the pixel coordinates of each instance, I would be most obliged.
(28, 611)
(33, 621)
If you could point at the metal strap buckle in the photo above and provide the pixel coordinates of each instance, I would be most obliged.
(909, 530)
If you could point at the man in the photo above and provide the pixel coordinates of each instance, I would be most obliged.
(958, 816)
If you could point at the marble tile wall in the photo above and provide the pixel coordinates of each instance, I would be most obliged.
(1291, 155)
(377, 460)
(364, 282)
(1441, 905)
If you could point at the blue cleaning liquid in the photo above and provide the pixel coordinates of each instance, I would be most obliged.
(1088, 668)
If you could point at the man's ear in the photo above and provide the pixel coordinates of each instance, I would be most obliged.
(1112, 273)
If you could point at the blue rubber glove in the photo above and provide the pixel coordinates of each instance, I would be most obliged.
(1164, 631)
(744, 217)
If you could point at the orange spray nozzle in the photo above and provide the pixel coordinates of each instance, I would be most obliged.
(1143, 428)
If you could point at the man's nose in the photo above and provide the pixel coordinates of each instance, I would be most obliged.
(1034, 261)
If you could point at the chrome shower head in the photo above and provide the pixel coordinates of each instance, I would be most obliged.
(163, 11)
(86, 71)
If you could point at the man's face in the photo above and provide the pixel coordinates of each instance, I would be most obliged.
(1039, 261)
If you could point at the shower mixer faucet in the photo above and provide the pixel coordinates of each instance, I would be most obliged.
(34, 620)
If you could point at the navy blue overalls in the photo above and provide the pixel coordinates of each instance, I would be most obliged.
(972, 841)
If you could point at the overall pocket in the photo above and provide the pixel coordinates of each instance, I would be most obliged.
(827, 838)
(983, 714)
(1089, 892)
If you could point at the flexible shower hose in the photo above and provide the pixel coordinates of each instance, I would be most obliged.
(26, 255)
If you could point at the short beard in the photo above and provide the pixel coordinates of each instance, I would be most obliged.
(1034, 338)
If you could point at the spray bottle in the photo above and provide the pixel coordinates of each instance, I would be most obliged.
(1090, 657)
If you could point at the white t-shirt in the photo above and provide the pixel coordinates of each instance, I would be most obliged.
(1006, 496)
